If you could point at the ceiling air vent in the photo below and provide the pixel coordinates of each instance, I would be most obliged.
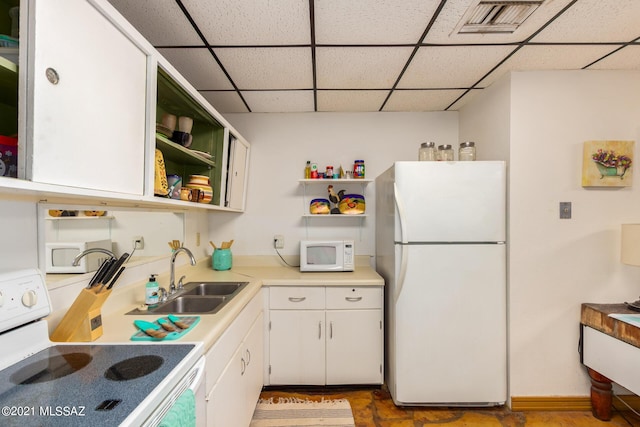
(492, 16)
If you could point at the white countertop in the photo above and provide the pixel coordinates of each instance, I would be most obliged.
(118, 326)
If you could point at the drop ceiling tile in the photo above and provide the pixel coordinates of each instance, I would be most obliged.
(351, 100)
(595, 21)
(250, 22)
(161, 22)
(279, 101)
(466, 98)
(443, 29)
(268, 68)
(371, 22)
(359, 67)
(198, 67)
(225, 101)
(544, 57)
(627, 58)
(421, 100)
(448, 66)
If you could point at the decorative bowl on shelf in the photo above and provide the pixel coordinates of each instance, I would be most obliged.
(319, 207)
(352, 204)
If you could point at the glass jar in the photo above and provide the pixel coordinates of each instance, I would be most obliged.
(427, 151)
(445, 153)
(467, 151)
(328, 173)
(358, 169)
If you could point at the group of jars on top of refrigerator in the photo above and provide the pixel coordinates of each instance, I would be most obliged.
(428, 152)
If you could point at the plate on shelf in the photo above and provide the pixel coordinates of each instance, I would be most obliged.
(203, 154)
(162, 129)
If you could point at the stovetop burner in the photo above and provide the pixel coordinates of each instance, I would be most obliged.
(133, 368)
(82, 378)
(51, 368)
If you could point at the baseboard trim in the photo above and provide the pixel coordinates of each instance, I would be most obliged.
(566, 403)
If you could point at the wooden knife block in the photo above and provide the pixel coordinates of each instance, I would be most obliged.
(83, 320)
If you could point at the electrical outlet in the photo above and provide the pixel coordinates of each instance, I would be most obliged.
(278, 241)
(197, 239)
(138, 242)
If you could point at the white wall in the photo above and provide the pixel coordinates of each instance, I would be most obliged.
(280, 146)
(18, 225)
(555, 265)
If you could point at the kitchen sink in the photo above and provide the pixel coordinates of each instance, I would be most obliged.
(191, 304)
(196, 298)
(213, 288)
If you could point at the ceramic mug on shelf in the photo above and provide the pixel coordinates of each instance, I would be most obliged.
(197, 195)
(185, 194)
(169, 121)
(185, 124)
(182, 138)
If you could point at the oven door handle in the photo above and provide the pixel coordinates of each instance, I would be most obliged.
(197, 380)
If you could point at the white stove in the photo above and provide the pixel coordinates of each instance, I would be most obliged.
(69, 384)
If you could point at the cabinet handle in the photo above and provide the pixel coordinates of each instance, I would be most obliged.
(319, 330)
(353, 299)
(297, 299)
(330, 330)
(243, 366)
(248, 357)
(52, 75)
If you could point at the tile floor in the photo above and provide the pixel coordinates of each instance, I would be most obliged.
(373, 407)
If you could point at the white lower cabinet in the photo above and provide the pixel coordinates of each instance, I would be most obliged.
(296, 347)
(235, 369)
(319, 335)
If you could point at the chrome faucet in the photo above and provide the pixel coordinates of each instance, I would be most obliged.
(76, 260)
(172, 279)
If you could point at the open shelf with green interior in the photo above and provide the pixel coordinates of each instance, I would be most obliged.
(207, 133)
(8, 74)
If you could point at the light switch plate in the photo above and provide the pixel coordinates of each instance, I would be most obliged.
(565, 210)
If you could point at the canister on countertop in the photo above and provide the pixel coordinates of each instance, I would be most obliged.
(467, 151)
(427, 151)
(445, 153)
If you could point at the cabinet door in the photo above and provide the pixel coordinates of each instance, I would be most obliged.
(354, 346)
(254, 360)
(87, 129)
(296, 347)
(227, 398)
(238, 157)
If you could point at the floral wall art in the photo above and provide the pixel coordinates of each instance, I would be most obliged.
(607, 163)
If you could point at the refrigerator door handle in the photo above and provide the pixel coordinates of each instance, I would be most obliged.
(403, 271)
(403, 246)
(401, 213)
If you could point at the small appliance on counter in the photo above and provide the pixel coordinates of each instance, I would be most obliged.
(60, 256)
(327, 255)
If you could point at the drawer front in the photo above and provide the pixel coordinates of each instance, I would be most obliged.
(354, 297)
(296, 298)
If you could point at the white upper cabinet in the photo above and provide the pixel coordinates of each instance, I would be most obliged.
(86, 107)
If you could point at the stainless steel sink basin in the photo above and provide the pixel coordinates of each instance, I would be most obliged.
(197, 298)
(213, 288)
(191, 304)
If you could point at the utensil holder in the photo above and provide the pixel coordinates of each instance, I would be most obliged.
(83, 320)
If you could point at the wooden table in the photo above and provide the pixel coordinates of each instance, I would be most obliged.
(608, 356)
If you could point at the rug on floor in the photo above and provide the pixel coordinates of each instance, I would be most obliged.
(293, 412)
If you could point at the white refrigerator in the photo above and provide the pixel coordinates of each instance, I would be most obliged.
(441, 248)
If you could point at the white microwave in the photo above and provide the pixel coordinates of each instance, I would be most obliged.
(59, 256)
(327, 255)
